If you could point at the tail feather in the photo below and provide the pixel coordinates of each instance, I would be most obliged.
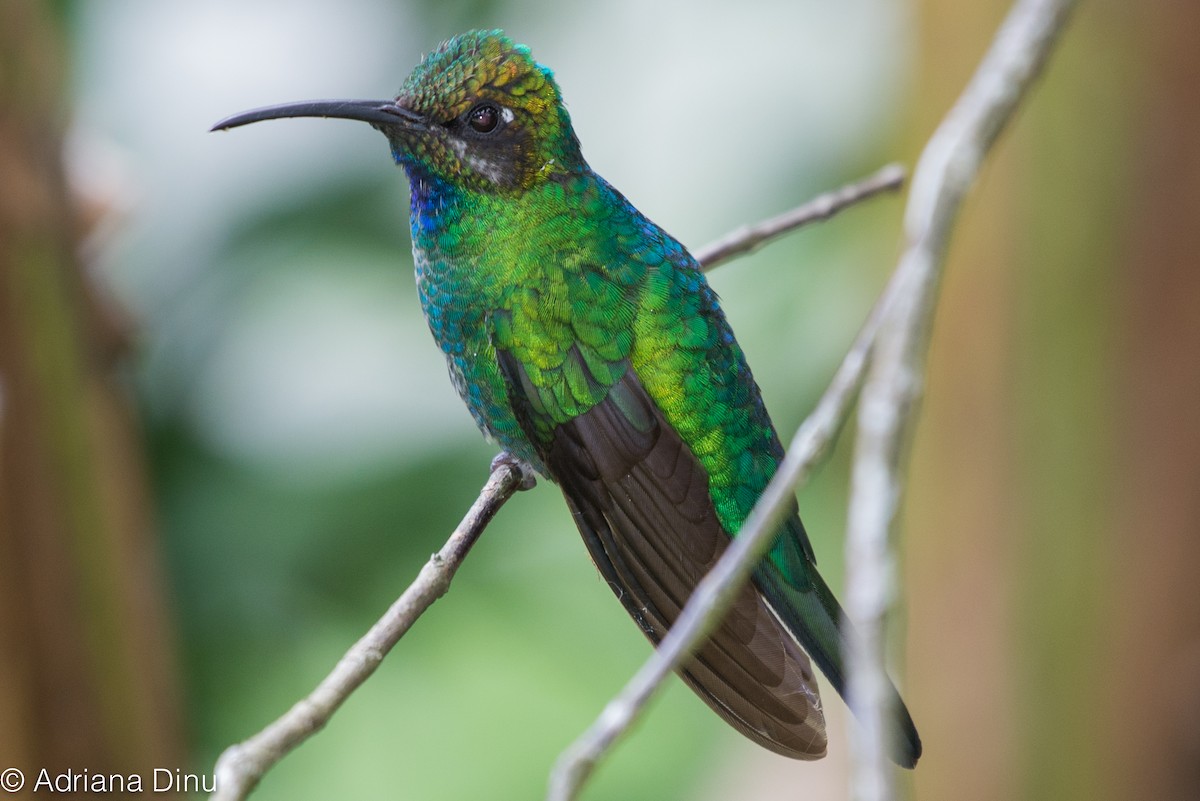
(812, 614)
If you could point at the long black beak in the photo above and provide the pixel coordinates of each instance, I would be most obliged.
(376, 112)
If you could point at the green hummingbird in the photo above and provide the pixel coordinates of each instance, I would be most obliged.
(587, 343)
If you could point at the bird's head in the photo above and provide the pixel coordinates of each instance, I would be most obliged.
(478, 112)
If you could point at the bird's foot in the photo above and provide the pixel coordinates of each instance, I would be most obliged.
(528, 475)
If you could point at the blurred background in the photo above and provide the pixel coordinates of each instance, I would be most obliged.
(227, 441)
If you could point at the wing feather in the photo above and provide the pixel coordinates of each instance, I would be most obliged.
(641, 501)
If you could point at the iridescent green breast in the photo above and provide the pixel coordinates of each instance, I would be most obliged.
(578, 287)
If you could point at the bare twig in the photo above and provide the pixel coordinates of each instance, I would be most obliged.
(905, 308)
(751, 237)
(888, 410)
(241, 766)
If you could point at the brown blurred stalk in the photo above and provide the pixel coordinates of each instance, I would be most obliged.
(1155, 655)
(87, 679)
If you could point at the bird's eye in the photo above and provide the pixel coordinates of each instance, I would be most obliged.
(484, 118)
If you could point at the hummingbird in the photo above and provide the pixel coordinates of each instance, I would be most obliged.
(588, 344)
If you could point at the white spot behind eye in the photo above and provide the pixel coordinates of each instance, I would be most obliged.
(488, 169)
(506, 114)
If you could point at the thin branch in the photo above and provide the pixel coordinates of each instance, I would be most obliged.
(751, 237)
(712, 597)
(888, 410)
(241, 766)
